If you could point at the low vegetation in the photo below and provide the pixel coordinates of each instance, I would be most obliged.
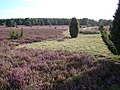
(15, 35)
(91, 43)
(29, 69)
(56, 61)
(31, 34)
(89, 31)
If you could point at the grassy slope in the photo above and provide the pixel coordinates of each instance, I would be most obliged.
(90, 43)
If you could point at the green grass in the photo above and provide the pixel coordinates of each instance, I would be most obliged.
(90, 43)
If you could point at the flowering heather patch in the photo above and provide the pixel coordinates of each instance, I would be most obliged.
(33, 34)
(34, 69)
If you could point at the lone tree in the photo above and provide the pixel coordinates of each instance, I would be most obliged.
(74, 27)
(115, 30)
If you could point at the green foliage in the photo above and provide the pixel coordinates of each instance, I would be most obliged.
(85, 21)
(28, 23)
(3, 24)
(18, 21)
(10, 23)
(74, 27)
(115, 30)
(113, 39)
(104, 22)
(15, 35)
(56, 21)
(88, 22)
(101, 28)
(107, 41)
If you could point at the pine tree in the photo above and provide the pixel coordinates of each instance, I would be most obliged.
(74, 27)
(115, 30)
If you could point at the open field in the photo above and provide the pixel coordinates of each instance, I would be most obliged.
(91, 43)
(57, 62)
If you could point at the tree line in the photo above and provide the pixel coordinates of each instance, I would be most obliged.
(50, 21)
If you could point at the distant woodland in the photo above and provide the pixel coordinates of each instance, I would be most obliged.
(51, 21)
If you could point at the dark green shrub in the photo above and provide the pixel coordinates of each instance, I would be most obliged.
(107, 41)
(15, 35)
(74, 27)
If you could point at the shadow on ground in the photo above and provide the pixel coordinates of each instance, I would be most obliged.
(105, 77)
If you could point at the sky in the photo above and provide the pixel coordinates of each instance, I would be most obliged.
(92, 9)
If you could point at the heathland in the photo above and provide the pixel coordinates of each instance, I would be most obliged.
(47, 58)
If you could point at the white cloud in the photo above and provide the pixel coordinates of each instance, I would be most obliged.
(95, 9)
